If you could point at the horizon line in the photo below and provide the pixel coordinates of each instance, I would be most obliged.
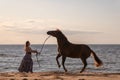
(56, 44)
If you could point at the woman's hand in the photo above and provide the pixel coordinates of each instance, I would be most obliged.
(38, 53)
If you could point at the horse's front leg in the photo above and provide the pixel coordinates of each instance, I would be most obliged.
(63, 61)
(58, 56)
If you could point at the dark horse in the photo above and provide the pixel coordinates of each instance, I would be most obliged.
(67, 49)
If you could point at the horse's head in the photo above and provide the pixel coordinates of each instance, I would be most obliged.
(55, 33)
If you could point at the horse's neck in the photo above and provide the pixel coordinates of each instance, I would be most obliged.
(62, 42)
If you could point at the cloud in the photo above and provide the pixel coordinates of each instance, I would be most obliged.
(31, 21)
(27, 28)
(77, 32)
(37, 26)
(42, 29)
(30, 30)
(8, 27)
(31, 26)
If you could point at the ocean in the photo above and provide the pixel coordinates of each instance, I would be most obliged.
(11, 56)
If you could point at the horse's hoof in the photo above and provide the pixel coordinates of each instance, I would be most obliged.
(59, 66)
(81, 71)
(65, 70)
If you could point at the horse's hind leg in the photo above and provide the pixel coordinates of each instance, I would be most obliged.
(59, 55)
(85, 64)
(63, 61)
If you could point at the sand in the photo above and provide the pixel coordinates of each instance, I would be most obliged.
(54, 75)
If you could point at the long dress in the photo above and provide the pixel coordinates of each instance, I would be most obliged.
(26, 64)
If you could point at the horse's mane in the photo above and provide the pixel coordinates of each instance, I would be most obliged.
(62, 35)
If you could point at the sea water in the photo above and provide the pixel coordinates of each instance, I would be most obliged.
(11, 56)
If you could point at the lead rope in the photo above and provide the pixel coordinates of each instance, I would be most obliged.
(41, 50)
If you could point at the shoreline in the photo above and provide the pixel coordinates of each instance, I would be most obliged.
(56, 75)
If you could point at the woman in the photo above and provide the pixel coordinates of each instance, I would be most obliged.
(27, 62)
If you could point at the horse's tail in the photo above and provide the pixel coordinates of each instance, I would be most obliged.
(98, 62)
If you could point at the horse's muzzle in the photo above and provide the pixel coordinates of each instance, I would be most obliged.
(48, 33)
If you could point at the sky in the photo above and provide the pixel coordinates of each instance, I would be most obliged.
(82, 21)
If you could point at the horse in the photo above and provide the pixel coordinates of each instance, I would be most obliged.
(68, 49)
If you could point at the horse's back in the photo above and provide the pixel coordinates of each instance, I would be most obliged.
(79, 50)
(81, 47)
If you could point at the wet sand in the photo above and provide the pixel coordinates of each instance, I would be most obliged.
(54, 75)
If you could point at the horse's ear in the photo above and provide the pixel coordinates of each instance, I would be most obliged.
(58, 30)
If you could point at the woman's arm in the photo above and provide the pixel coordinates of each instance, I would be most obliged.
(28, 49)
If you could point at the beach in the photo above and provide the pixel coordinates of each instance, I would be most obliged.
(11, 56)
(55, 75)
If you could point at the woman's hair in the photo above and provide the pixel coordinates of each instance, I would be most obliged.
(27, 43)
